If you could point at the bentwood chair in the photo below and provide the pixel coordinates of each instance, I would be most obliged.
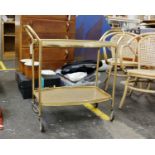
(145, 73)
(128, 54)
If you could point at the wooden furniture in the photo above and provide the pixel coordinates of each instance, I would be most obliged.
(46, 26)
(145, 73)
(8, 38)
(28, 69)
(126, 56)
(22, 64)
(67, 96)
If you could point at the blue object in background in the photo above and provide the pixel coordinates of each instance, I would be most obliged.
(42, 82)
(89, 27)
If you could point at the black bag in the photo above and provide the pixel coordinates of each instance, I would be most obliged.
(88, 66)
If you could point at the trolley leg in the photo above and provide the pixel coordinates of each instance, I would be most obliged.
(35, 107)
(96, 105)
(112, 117)
(38, 111)
(42, 124)
(108, 78)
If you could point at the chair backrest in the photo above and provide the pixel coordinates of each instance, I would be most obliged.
(110, 32)
(122, 38)
(146, 51)
(107, 37)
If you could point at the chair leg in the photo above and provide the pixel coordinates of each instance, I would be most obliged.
(135, 84)
(108, 78)
(124, 94)
(148, 86)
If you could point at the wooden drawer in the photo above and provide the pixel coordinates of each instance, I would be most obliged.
(51, 26)
(50, 17)
(26, 21)
(50, 54)
(26, 39)
(26, 54)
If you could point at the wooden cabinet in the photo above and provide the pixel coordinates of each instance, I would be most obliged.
(8, 38)
(46, 26)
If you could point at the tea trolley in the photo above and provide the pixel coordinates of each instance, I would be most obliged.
(68, 95)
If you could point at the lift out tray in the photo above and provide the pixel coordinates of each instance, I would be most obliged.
(65, 96)
(76, 43)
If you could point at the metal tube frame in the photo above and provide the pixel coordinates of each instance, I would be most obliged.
(37, 41)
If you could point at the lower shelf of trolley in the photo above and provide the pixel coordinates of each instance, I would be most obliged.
(68, 96)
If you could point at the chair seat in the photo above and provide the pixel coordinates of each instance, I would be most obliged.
(125, 62)
(142, 73)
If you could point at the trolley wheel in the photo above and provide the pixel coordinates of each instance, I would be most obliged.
(42, 125)
(95, 105)
(112, 116)
(35, 108)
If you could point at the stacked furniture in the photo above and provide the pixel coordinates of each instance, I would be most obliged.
(58, 26)
(144, 74)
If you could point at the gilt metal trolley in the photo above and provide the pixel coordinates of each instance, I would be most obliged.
(68, 95)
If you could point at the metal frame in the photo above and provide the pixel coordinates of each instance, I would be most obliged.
(36, 41)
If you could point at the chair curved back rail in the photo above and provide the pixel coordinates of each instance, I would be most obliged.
(107, 36)
(145, 49)
(127, 52)
(110, 32)
(121, 38)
